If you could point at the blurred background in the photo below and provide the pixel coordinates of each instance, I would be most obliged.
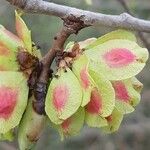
(134, 133)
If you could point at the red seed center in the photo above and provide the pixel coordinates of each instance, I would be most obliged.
(95, 104)
(60, 96)
(84, 78)
(119, 57)
(121, 91)
(65, 125)
(8, 99)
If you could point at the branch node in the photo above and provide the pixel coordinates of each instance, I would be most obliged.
(73, 23)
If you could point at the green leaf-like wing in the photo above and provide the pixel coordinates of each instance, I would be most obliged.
(126, 96)
(80, 69)
(137, 85)
(36, 51)
(30, 127)
(114, 121)
(72, 125)
(118, 59)
(13, 98)
(102, 100)
(95, 120)
(87, 42)
(8, 63)
(23, 32)
(9, 136)
(82, 44)
(9, 40)
(117, 34)
(64, 96)
(69, 46)
(9, 44)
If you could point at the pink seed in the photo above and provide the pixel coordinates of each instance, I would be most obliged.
(60, 96)
(65, 125)
(84, 78)
(95, 104)
(121, 91)
(8, 100)
(119, 57)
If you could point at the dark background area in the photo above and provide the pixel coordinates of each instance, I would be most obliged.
(134, 133)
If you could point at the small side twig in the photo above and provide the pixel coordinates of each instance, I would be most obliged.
(71, 26)
(140, 34)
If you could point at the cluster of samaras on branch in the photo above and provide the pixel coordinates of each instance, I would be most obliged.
(95, 83)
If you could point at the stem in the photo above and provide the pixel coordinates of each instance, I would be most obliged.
(71, 25)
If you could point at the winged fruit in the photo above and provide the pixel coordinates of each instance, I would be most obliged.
(126, 95)
(72, 125)
(64, 96)
(13, 98)
(114, 121)
(117, 59)
(102, 101)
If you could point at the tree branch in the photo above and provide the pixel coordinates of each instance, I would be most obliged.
(89, 18)
(140, 34)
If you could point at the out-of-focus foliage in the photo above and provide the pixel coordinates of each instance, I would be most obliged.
(89, 2)
(135, 131)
